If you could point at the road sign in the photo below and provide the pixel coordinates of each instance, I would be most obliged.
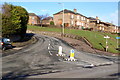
(106, 37)
(117, 37)
(72, 51)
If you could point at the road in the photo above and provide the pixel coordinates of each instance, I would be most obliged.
(40, 58)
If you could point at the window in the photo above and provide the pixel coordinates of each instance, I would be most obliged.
(84, 18)
(82, 24)
(87, 20)
(32, 22)
(33, 18)
(71, 22)
(72, 16)
(78, 23)
(81, 18)
(103, 28)
(78, 17)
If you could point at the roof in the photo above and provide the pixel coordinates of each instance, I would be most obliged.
(48, 18)
(32, 14)
(69, 11)
(91, 18)
(110, 24)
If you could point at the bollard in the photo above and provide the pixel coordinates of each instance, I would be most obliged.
(72, 54)
(60, 52)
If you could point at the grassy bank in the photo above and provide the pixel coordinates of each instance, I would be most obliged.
(95, 38)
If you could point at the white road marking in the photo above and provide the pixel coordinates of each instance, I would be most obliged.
(49, 44)
(50, 53)
(48, 48)
(18, 48)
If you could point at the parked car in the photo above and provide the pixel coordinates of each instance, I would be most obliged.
(5, 43)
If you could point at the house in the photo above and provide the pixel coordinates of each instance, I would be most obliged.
(98, 25)
(71, 19)
(47, 20)
(33, 19)
(114, 29)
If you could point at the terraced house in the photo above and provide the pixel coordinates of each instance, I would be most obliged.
(71, 19)
(99, 25)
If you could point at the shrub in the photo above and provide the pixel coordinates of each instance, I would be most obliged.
(51, 23)
(14, 20)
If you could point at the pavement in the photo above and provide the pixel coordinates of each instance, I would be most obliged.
(40, 58)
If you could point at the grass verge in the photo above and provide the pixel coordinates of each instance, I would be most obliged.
(95, 38)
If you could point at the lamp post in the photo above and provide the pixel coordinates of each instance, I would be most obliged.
(63, 19)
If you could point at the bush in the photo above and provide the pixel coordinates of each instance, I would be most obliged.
(51, 23)
(14, 20)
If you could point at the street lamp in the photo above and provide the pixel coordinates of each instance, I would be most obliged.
(63, 19)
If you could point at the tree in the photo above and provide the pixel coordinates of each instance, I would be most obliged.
(14, 20)
(41, 17)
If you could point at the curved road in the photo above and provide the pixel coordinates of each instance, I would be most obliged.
(40, 58)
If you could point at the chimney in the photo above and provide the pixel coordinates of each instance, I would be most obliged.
(75, 10)
(97, 17)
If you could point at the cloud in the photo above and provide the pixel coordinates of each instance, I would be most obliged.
(45, 10)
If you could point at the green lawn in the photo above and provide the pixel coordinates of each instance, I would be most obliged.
(95, 38)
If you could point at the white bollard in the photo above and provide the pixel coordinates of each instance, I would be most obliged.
(60, 52)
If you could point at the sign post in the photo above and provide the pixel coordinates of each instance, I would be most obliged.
(107, 37)
(117, 41)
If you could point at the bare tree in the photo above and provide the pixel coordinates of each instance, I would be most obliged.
(41, 17)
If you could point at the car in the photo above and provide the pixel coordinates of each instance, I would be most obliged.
(5, 43)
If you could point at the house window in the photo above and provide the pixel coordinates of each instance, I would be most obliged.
(100, 28)
(32, 22)
(78, 23)
(82, 24)
(78, 17)
(71, 22)
(103, 28)
(82, 18)
(87, 20)
(33, 18)
(72, 16)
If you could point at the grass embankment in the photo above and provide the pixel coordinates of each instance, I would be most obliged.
(95, 38)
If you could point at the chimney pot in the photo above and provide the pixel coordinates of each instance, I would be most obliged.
(97, 17)
(75, 10)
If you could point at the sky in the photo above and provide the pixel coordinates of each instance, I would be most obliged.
(106, 11)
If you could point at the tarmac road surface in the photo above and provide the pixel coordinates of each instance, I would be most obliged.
(40, 58)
